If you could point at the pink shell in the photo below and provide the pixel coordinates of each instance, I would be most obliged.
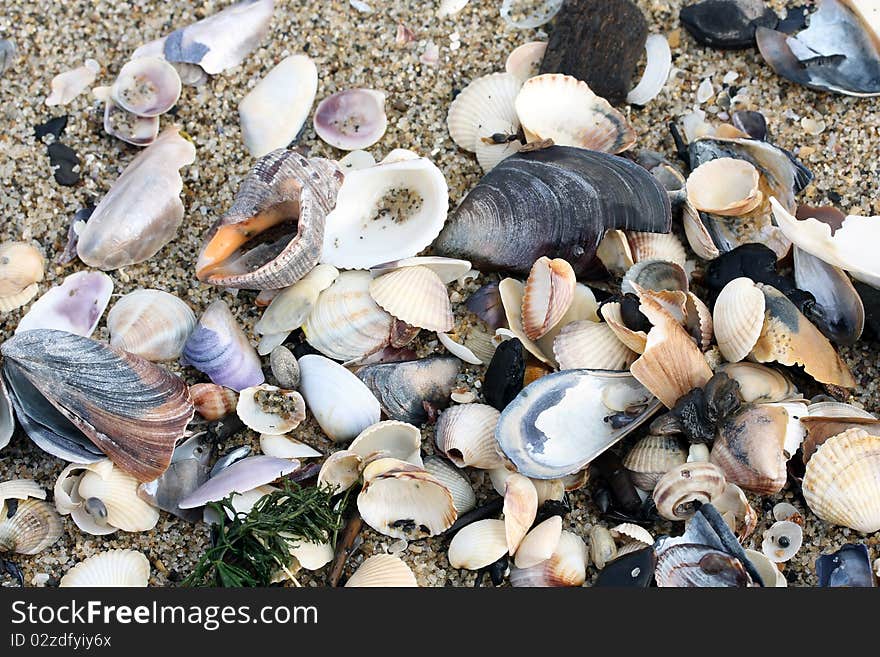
(352, 119)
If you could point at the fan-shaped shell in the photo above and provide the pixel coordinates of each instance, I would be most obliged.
(525, 60)
(383, 570)
(651, 458)
(591, 345)
(567, 566)
(548, 294)
(114, 568)
(271, 410)
(29, 527)
(738, 318)
(120, 506)
(466, 435)
(415, 295)
(390, 438)
(151, 324)
(21, 268)
(488, 98)
(340, 402)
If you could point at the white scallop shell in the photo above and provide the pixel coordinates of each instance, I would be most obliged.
(383, 570)
(151, 324)
(114, 568)
(489, 152)
(738, 318)
(488, 98)
(591, 345)
(415, 295)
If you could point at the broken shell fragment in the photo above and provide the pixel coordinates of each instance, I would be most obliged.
(75, 306)
(28, 526)
(130, 128)
(102, 393)
(782, 541)
(477, 545)
(838, 310)
(151, 324)
(727, 23)
(110, 569)
(123, 230)
(565, 110)
(351, 120)
(70, 84)
(270, 410)
(651, 458)
(634, 340)
(489, 98)
(389, 439)
(850, 566)
(271, 236)
(415, 295)
(146, 86)
(466, 435)
(383, 570)
(274, 111)
(338, 399)
(240, 477)
(658, 66)
(219, 348)
(724, 186)
(681, 491)
(657, 276)
(340, 471)
(738, 318)
(21, 268)
(759, 383)
(283, 447)
(386, 212)
(548, 294)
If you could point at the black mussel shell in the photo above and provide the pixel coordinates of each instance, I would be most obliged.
(54, 126)
(871, 298)
(623, 492)
(631, 314)
(850, 566)
(505, 374)
(727, 23)
(633, 570)
(751, 122)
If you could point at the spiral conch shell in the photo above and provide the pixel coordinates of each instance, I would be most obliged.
(681, 488)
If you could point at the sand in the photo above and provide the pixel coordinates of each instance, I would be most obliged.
(351, 49)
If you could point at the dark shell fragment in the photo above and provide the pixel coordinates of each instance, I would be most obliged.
(727, 24)
(850, 566)
(505, 374)
(599, 42)
(63, 160)
(633, 570)
(54, 126)
(750, 122)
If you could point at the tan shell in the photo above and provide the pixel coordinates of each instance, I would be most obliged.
(827, 419)
(698, 236)
(525, 60)
(603, 549)
(340, 471)
(415, 295)
(591, 345)
(489, 97)
(632, 532)
(114, 568)
(540, 543)
(725, 186)
(678, 490)
(466, 435)
(30, 528)
(651, 458)
(213, 402)
(477, 545)
(636, 341)
(842, 481)
(151, 324)
(548, 294)
(565, 110)
(734, 507)
(656, 246)
(749, 448)
(383, 570)
(789, 338)
(738, 318)
(698, 321)
(615, 252)
(567, 566)
(20, 489)
(672, 364)
(520, 509)
(21, 268)
(759, 383)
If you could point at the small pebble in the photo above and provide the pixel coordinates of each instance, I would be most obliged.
(64, 160)
(705, 91)
(812, 126)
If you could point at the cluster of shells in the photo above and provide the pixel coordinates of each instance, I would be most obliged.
(669, 378)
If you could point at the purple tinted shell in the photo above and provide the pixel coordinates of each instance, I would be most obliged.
(352, 119)
(240, 477)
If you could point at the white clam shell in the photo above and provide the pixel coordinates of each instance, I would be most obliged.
(738, 318)
(284, 447)
(389, 439)
(275, 423)
(567, 566)
(113, 568)
(74, 306)
(70, 84)
(591, 345)
(274, 111)
(657, 70)
(352, 119)
(477, 545)
(415, 295)
(151, 324)
(311, 556)
(490, 97)
(772, 545)
(340, 401)
(540, 543)
(466, 435)
(130, 128)
(146, 86)
(525, 60)
(383, 570)
(387, 212)
(520, 509)
(340, 471)
(725, 186)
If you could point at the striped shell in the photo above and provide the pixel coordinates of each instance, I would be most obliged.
(114, 568)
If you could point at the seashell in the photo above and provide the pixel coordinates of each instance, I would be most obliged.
(738, 318)
(633, 532)
(113, 568)
(540, 543)
(698, 236)
(524, 15)
(843, 246)
(725, 186)
(232, 456)
(131, 409)
(566, 566)
(407, 502)
(240, 477)
(352, 119)
(655, 275)
(180, 479)
(20, 489)
(698, 321)
(840, 484)
(846, 28)
(548, 295)
(389, 439)
(346, 324)
(271, 410)
(651, 458)
(658, 66)
(785, 511)
(555, 426)
(285, 368)
(146, 86)
(684, 488)
(218, 42)
(275, 110)
(340, 471)
(633, 340)
(671, 365)
(29, 526)
(291, 308)
(219, 348)
(466, 436)
(603, 549)
(749, 448)
(850, 566)
(759, 383)
(307, 554)
(450, 7)
(565, 110)
(68, 85)
(284, 200)
(657, 246)
(213, 402)
(383, 570)
(726, 23)
(789, 338)
(463, 496)
(130, 128)
(615, 252)
(734, 507)
(827, 419)
(21, 268)
(403, 387)
(123, 230)
(768, 571)
(838, 310)
(151, 324)
(356, 160)
(387, 212)
(478, 544)
(448, 269)
(782, 541)
(591, 345)
(525, 60)
(460, 351)
(415, 295)
(699, 566)
(489, 98)
(556, 202)
(520, 509)
(283, 447)
(75, 306)
(340, 402)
